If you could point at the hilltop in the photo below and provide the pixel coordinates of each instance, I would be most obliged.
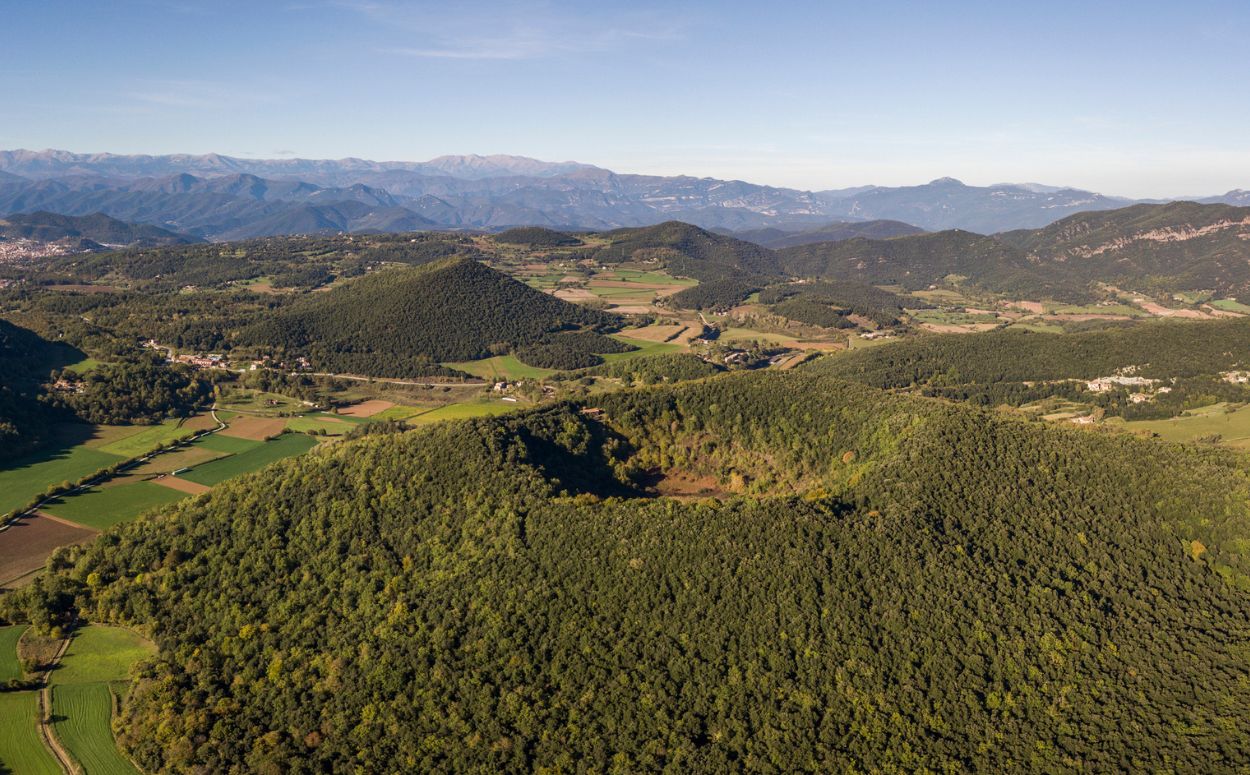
(868, 581)
(1176, 246)
(405, 321)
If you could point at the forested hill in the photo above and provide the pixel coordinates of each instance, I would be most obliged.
(915, 262)
(690, 252)
(1176, 246)
(837, 231)
(883, 583)
(404, 321)
(1160, 350)
(98, 228)
(26, 360)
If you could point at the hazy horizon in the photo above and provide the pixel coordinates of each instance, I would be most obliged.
(1127, 99)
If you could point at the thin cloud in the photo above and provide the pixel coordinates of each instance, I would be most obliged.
(194, 95)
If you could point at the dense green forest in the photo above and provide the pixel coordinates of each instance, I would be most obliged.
(537, 237)
(140, 389)
(26, 360)
(403, 322)
(881, 583)
(1159, 350)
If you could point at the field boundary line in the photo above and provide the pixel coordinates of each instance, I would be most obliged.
(45, 714)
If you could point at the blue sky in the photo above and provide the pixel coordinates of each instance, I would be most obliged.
(1136, 98)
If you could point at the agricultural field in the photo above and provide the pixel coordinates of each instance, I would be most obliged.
(1230, 423)
(258, 402)
(100, 508)
(26, 543)
(464, 411)
(27, 478)
(500, 367)
(22, 751)
(259, 456)
(82, 695)
(1230, 305)
(10, 667)
(146, 438)
(645, 348)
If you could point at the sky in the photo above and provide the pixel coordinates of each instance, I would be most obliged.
(1145, 98)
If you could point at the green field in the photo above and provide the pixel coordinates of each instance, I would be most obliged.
(103, 507)
(645, 348)
(316, 423)
(735, 334)
(81, 721)
(230, 445)
(500, 367)
(82, 702)
(399, 412)
(464, 411)
(101, 653)
(1231, 305)
(84, 366)
(257, 402)
(1099, 309)
(21, 750)
(1233, 427)
(27, 478)
(261, 455)
(10, 667)
(147, 439)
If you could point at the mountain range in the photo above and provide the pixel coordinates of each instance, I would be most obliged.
(222, 197)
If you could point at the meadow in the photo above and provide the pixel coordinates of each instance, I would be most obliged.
(21, 749)
(100, 508)
(259, 456)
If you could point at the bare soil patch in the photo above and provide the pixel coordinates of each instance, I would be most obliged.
(365, 408)
(255, 428)
(1036, 307)
(1165, 312)
(173, 461)
(681, 484)
(632, 309)
(27, 542)
(574, 294)
(658, 332)
(181, 485)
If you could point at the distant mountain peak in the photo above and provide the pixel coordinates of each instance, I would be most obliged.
(946, 182)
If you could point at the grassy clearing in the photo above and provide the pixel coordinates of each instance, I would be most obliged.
(257, 402)
(332, 427)
(21, 749)
(645, 348)
(147, 439)
(737, 334)
(1099, 309)
(217, 471)
(84, 366)
(464, 411)
(103, 507)
(81, 721)
(400, 413)
(1231, 305)
(99, 652)
(228, 445)
(500, 367)
(27, 478)
(10, 667)
(1230, 423)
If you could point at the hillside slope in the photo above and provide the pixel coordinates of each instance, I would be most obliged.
(884, 583)
(1177, 246)
(97, 227)
(402, 322)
